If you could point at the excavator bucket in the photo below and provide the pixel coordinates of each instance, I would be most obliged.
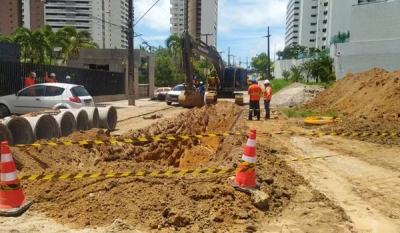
(239, 99)
(190, 99)
(211, 98)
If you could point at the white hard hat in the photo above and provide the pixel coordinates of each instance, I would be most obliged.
(68, 77)
(33, 74)
(201, 82)
(266, 82)
(52, 75)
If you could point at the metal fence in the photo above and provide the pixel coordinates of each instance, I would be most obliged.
(96, 82)
(9, 52)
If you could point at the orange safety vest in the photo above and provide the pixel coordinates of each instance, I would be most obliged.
(49, 80)
(255, 92)
(268, 93)
(29, 82)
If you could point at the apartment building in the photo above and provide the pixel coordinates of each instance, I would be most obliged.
(202, 19)
(106, 20)
(318, 21)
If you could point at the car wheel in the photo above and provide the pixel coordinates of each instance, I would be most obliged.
(62, 107)
(4, 112)
(169, 103)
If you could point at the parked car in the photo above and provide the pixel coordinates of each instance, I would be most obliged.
(45, 96)
(161, 92)
(172, 96)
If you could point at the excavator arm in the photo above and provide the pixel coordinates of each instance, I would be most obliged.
(190, 46)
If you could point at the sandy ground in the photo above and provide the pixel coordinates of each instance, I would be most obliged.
(354, 191)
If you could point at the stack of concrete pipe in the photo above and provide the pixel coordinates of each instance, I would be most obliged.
(29, 128)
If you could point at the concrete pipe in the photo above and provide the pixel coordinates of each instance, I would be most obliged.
(81, 118)
(21, 131)
(108, 117)
(44, 126)
(94, 117)
(66, 123)
(5, 133)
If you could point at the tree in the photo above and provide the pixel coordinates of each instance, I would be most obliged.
(76, 41)
(165, 71)
(296, 75)
(54, 40)
(6, 39)
(260, 64)
(308, 67)
(33, 45)
(286, 75)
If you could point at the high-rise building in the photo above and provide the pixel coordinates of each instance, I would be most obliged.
(106, 20)
(202, 19)
(317, 22)
(10, 16)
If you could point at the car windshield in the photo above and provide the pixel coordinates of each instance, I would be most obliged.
(79, 91)
(179, 88)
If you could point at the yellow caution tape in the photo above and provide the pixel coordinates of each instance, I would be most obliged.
(169, 138)
(249, 168)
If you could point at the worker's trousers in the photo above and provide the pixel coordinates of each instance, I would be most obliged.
(254, 108)
(267, 110)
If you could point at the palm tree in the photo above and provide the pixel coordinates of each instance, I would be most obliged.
(54, 40)
(296, 73)
(76, 41)
(308, 67)
(32, 44)
(6, 39)
(173, 44)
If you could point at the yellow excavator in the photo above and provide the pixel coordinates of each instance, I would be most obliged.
(230, 81)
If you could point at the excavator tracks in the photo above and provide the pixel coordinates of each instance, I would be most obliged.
(211, 98)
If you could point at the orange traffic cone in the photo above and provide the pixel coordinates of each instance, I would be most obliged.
(246, 181)
(12, 199)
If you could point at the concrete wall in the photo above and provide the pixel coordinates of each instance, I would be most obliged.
(281, 65)
(362, 56)
(374, 40)
(117, 59)
(375, 21)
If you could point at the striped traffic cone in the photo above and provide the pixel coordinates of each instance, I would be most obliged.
(246, 180)
(12, 199)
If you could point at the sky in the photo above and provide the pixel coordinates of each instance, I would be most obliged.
(242, 26)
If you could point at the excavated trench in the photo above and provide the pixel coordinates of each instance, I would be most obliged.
(185, 203)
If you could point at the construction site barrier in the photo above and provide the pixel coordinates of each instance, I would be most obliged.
(20, 129)
(165, 172)
(200, 136)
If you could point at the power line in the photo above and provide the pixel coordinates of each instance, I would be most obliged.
(146, 12)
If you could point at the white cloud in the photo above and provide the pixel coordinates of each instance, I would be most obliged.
(157, 19)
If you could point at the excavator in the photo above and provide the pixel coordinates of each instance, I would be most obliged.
(228, 83)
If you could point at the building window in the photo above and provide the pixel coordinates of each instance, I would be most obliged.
(312, 32)
(324, 30)
(325, 21)
(313, 24)
(312, 40)
(314, 7)
(326, 3)
(323, 38)
(325, 12)
(314, 15)
(323, 47)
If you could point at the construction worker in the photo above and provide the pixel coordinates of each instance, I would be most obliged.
(202, 90)
(52, 78)
(30, 80)
(68, 79)
(255, 92)
(267, 98)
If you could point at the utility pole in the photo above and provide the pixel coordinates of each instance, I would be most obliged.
(240, 61)
(131, 76)
(269, 65)
(229, 56)
(186, 8)
(247, 62)
(234, 64)
(206, 34)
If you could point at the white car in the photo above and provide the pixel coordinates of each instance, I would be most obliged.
(45, 96)
(162, 91)
(172, 96)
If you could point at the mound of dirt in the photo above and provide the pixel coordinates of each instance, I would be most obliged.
(190, 203)
(367, 95)
(295, 94)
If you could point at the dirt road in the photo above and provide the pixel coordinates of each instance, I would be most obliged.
(355, 190)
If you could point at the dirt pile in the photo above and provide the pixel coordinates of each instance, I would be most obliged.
(295, 94)
(367, 95)
(190, 203)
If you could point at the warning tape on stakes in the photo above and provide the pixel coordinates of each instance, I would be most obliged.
(200, 136)
(250, 168)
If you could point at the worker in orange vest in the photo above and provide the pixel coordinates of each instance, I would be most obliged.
(52, 78)
(255, 92)
(30, 80)
(267, 98)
